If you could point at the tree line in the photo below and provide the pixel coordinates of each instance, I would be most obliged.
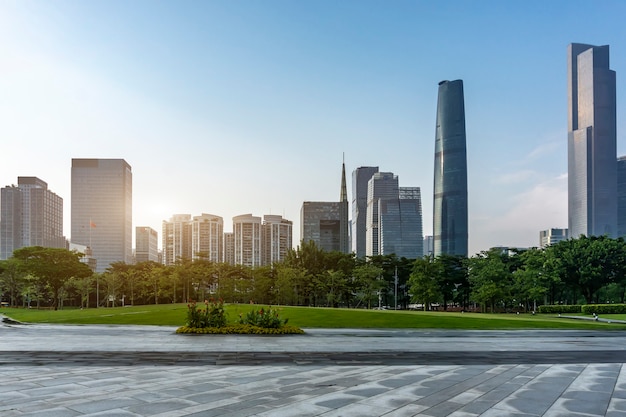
(582, 270)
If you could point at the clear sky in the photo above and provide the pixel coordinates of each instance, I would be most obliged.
(231, 107)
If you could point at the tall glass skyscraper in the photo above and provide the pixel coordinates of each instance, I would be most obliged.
(591, 137)
(450, 214)
(102, 213)
(360, 178)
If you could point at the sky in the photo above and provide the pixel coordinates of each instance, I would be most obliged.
(231, 107)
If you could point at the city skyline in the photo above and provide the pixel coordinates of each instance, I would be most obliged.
(235, 107)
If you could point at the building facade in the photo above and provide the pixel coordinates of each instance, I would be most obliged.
(592, 138)
(360, 178)
(551, 236)
(621, 196)
(429, 245)
(177, 239)
(400, 224)
(229, 248)
(102, 209)
(146, 244)
(30, 215)
(207, 237)
(277, 234)
(326, 223)
(450, 200)
(321, 223)
(382, 186)
(247, 240)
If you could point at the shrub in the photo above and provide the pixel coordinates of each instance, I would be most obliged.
(604, 309)
(558, 309)
(213, 315)
(267, 319)
(240, 329)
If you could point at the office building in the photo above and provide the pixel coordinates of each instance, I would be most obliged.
(621, 196)
(551, 236)
(450, 207)
(326, 223)
(592, 149)
(30, 215)
(382, 186)
(207, 237)
(102, 209)
(360, 178)
(146, 244)
(247, 240)
(400, 224)
(277, 239)
(177, 239)
(429, 245)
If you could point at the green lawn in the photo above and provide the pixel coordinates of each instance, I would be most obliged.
(308, 317)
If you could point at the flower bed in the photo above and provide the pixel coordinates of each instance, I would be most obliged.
(240, 329)
(212, 320)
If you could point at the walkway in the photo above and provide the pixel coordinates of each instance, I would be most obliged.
(54, 370)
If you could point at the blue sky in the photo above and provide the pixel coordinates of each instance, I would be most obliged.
(231, 107)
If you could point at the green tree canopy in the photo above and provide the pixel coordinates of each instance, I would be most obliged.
(53, 267)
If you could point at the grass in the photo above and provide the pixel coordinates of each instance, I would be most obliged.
(308, 317)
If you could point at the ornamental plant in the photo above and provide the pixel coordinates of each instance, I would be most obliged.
(212, 315)
(266, 318)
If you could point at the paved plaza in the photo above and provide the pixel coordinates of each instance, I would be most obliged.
(55, 370)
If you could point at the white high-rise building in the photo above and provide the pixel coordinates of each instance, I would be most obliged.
(277, 238)
(207, 237)
(177, 238)
(382, 186)
(247, 240)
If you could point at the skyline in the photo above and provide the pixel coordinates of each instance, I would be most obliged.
(246, 107)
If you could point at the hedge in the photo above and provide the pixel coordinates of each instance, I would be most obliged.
(558, 309)
(604, 309)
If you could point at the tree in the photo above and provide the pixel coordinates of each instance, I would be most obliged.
(588, 264)
(490, 276)
(452, 280)
(368, 282)
(12, 279)
(52, 266)
(423, 283)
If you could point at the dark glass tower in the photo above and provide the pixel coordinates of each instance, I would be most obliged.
(450, 216)
(592, 137)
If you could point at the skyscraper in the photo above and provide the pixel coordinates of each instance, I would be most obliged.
(146, 244)
(382, 186)
(450, 213)
(400, 224)
(102, 209)
(621, 196)
(30, 215)
(360, 178)
(592, 149)
(326, 223)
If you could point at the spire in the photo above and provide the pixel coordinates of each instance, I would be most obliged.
(344, 190)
